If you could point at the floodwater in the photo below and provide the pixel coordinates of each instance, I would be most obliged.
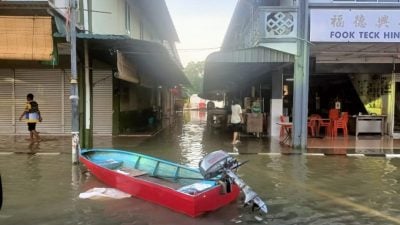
(41, 186)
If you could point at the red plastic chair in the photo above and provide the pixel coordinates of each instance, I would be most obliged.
(312, 123)
(326, 123)
(333, 114)
(341, 123)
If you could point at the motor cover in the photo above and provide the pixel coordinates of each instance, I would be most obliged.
(214, 164)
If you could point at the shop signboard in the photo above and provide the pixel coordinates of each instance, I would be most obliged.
(354, 25)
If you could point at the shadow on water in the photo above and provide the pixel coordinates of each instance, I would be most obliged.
(340, 190)
(1, 193)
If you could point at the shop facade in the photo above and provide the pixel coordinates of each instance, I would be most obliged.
(123, 68)
(344, 52)
(359, 43)
(51, 88)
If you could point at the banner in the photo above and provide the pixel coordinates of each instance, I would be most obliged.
(354, 25)
(126, 69)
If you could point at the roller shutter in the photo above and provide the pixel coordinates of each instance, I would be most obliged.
(67, 102)
(6, 101)
(102, 102)
(46, 86)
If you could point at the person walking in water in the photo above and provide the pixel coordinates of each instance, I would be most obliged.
(32, 116)
(236, 120)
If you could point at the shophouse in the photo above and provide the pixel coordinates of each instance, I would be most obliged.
(128, 68)
(306, 57)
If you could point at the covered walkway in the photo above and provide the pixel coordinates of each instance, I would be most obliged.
(366, 145)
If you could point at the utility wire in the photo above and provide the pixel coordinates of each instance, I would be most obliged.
(197, 49)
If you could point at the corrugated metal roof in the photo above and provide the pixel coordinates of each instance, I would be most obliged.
(24, 8)
(251, 55)
(227, 71)
(24, 4)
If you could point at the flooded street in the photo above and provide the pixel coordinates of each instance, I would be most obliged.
(43, 188)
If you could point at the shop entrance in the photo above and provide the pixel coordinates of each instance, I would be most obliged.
(396, 124)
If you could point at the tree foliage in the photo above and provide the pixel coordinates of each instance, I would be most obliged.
(194, 71)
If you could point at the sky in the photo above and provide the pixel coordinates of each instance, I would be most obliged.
(201, 26)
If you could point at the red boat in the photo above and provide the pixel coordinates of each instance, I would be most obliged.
(180, 188)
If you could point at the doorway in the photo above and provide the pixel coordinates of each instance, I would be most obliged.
(396, 123)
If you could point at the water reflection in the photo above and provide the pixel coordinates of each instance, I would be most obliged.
(34, 146)
(44, 189)
(299, 190)
(191, 138)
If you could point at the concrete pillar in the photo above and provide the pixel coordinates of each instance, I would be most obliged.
(301, 77)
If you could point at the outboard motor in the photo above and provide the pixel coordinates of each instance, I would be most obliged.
(220, 163)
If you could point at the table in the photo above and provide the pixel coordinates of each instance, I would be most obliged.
(370, 124)
(287, 126)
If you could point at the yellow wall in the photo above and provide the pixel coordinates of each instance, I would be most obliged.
(373, 90)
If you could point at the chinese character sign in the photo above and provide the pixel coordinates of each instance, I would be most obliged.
(345, 25)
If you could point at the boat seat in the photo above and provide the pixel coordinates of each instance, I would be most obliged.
(132, 172)
(110, 163)
(195, 188)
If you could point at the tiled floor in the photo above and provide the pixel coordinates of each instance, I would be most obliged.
(363, 144)
(374, 145)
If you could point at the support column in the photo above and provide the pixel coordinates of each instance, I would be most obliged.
(301, 79)
(74, 87)
(276, 104)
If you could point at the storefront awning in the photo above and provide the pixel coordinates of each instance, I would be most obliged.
(232, 70)
(149, 60)
(126, 70)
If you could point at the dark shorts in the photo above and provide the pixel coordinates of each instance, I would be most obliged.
(237, 127)
(31, 126)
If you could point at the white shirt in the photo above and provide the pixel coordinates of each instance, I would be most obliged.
(236, 111)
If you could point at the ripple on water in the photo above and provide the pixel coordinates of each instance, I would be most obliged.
(190, 142)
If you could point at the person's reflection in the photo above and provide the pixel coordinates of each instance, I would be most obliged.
(34, 146)
(202, 115)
